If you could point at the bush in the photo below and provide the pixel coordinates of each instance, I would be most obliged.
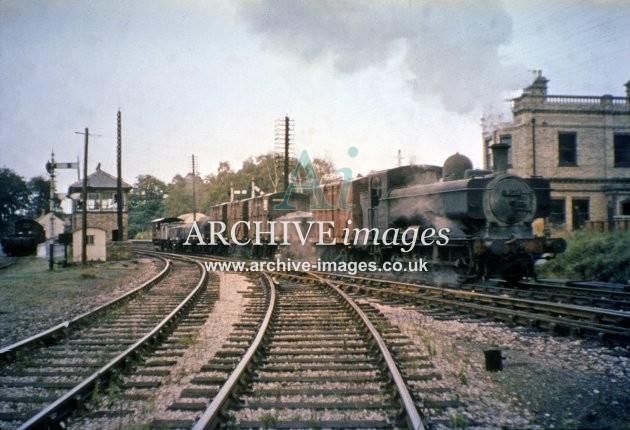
(592, 256)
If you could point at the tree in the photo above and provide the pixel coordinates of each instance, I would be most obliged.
(264, 170)
(179, 196)
(14, 195)
(146, 203)
(39, 200)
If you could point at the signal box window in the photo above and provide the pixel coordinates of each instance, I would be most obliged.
(622, 150)
(94, 201)
(567, 149)
(108, 201)
(625, 208)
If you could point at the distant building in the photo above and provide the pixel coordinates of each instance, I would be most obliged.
(52, 223)
(102, 218)
(581, 143)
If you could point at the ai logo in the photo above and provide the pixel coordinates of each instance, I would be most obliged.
(312, 183)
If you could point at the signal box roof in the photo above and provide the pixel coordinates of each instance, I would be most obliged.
(98, 180)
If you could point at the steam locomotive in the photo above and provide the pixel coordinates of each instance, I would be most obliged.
(474, 223)
(488, 215)
(25, 238)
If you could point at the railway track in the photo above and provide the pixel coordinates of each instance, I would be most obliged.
(563, 318)
(316, 361)
(594, 294)
(46, 377)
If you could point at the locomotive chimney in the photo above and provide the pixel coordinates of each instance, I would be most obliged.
(500, 157)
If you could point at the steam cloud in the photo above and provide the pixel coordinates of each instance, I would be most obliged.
(451, 47)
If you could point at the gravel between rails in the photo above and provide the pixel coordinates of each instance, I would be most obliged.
(226, 311)
(547, 381)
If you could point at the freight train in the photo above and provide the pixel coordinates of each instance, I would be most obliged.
(465, 222)
(235, 217)
(27, 234)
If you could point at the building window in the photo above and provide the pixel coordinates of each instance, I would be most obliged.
(94, 202)
(622, 150)
(557, 215)
(567, 149)
(89, 239)
(487, 144)
(108, 203)
(507, 140)
(580, 212)
(625, 208)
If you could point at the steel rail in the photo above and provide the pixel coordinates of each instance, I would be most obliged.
(51, 415)
(582, 325)
(53, 334)
(412, 415)
(210, 417)
(576, 311)
(573, 290)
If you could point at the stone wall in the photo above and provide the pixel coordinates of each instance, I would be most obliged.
(119, 251)
(108, 221)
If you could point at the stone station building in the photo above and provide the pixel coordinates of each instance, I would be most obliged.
(581, 143)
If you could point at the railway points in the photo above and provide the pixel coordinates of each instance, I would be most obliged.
(183, 382)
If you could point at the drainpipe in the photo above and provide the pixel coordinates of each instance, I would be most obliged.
(534, 146)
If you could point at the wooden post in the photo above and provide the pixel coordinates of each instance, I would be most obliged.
(84, 212)
(119, 194)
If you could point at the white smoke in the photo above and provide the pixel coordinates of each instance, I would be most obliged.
(451, 47)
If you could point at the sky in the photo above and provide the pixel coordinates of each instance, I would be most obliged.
(212, 78)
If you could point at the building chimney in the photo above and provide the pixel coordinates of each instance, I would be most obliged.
(500, 157)
(539, 86)
(627, 85)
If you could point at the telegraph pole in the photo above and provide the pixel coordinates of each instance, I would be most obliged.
(282, 139)
(119, 194)
(84, 198)
(194, 197)
(286, 153)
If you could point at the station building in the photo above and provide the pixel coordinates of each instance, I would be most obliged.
(581, 143)
(102, 216)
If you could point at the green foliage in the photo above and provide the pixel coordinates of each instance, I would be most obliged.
(145, 204)
(152, 198)
(268, 420)
(459, 421)
(14, 199)
(20, 198)
(39, 200)
(264, 172)
(592, 256)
